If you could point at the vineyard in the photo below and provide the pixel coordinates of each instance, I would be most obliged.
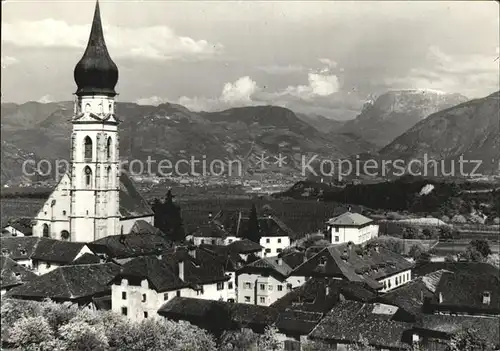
(301, 216)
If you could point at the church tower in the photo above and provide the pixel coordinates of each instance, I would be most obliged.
(95, 166)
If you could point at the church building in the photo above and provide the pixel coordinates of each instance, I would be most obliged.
(94, 199)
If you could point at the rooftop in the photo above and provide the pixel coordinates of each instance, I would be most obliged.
(66, 283)
(350, 219)
(130, 245)
(13, 274)
(348, 319)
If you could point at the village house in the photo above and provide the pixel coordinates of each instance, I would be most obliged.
(13, 274)
(42, 255)
(351, 227)
(379, 268)
(321, 294)
(18, 227)
(268, 279)
(80, 284)
(145, 283)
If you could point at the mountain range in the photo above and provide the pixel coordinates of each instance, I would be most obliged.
(393, 113)
(173, 132)
(404, 124)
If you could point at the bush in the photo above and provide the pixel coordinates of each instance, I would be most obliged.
(28, 333)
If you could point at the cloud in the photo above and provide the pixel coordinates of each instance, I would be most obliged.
(328, 62)
(239, 91)
(8, 61)
(154, 42)
(284, 69)
(319, 85)
(473, 75)
(153, 100)
(45, 99)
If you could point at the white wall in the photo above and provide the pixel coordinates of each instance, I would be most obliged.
(154, 300)
(273, 245)
(390, 282)
(358, 235)
(57, 216)
(258, 290)
(13, 231)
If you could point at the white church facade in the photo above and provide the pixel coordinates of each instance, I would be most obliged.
(94, 199)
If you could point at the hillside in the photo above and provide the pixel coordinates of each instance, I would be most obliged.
(321, 123)
(394, 112)
(470, 129)
(173, 132)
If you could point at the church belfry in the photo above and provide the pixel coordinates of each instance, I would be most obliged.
(95, 166)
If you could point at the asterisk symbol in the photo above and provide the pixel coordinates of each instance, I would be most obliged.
(262, 161)
(280, 160)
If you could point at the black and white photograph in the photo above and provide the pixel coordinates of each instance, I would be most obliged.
(275, 175)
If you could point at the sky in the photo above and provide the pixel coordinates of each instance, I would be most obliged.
(319, 57)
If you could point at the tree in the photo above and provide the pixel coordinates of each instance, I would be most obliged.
(445, 233)
(253, 228)
(167, 217)
(269, 340)
(467, 340)
(416, 251)
(82, 336)
(410, 232)
(244, 340)
(481, 246)
(28, 333)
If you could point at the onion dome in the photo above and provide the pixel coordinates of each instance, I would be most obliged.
(96, 73)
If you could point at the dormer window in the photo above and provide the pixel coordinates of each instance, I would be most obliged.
(486, 298)
(322, 261)
(23, 252)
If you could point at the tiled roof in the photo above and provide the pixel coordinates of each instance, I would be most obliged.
(463, 267)
(432, 279)
(268, 264)
(321, 294)
(163, 272)
(293, 259)
(130, 245)
(354, 264)
(349, 219)
(226, 312)
(488, 328)
(21, 224)
(270, 226)
(43, 249)
(13, 274)
(210, 230)
(409, 297)
(69, 283)
(86, 258)
(465, 291)
(132, 204)
(19, 248)
(143, 227)
(297, 322)
(244, 246)
(348, 319)
(158, 272)
(51, 250)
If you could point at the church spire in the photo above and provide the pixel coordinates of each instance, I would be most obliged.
(96, 73)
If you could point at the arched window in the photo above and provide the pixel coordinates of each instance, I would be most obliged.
(88, 149)
(64, 235)
(109, 178)
(45, 230)
(88, 177)
(108, 148)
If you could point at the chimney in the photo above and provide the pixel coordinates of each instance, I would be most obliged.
(327, 289)
(349, 209)
(440, 297)
(279, 261)
(181, 270)
(486, 298)
(377, 249)
(210, 215)
(349, 245)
